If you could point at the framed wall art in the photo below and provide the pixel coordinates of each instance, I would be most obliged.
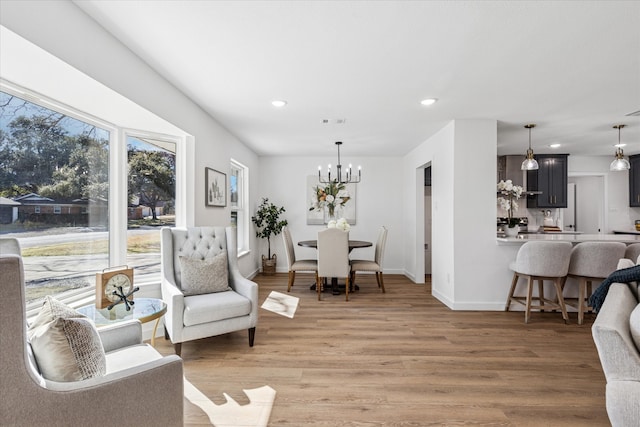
(330, 201)
(215, 188)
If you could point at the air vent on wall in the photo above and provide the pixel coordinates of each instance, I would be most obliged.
(333, 121)
(635, 113)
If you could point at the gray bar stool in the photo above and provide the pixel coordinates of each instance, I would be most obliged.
(632, 252)
(540, 261)
(592, 262)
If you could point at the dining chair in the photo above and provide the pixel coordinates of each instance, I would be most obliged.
(294, 264)
(333, 258)
(374, 265)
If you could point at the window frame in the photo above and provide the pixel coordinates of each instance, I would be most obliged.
(118, 168)
(241, 208)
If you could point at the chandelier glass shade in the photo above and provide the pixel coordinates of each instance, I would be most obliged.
(340, 177)
(619, 163)
(529, 163)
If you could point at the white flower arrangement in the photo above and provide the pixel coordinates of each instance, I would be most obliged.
(342, 224)
(506, 188)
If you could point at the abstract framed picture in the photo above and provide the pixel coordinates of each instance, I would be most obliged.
(215, 188)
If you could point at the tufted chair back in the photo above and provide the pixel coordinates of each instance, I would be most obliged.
(197, 242)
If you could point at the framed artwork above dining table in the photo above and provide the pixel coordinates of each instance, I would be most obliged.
(330, 201)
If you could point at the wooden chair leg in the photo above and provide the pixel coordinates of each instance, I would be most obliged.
(558, 283)
(380, 281)
(319, 287)
(527, 311)
(346, 289)
(582, 290)
(166, 333)
(541, 294)
(252, 336)
(177, 347)
(514, 281)
(292, 277)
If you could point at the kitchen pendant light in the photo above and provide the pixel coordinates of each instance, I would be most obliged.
(529, 163)
(619, 163)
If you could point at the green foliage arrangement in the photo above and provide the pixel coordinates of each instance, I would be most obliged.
(267, 221)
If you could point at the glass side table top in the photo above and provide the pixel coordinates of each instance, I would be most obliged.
(144, 309)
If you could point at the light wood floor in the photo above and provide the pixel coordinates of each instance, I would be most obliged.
(402, 359)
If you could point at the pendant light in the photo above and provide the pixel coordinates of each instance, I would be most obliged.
(619, 163)
(529, 163)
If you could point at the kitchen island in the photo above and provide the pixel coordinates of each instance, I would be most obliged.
(566, 237)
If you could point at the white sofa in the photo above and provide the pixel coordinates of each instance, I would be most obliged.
(619, 351)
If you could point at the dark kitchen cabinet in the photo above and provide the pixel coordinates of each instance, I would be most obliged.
(634, 181)
(550, 179)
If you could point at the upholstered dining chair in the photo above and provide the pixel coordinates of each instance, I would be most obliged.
(537, 260)
(333, 258)
(374, 265)
(204, 297)
(310, 265)
(139, 386)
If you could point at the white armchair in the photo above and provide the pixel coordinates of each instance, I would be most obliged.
(140, 387)
(191, 317)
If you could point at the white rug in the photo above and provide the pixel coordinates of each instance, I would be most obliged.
(282, 304)
(255, 414)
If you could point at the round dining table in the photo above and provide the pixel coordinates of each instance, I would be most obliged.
(353, 244)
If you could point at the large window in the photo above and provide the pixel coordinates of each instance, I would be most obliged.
(66, 180)
(239, 210)
(54, 194)
(151, 202)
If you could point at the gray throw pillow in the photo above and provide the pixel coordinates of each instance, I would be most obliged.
(204, 276)
(66, 344)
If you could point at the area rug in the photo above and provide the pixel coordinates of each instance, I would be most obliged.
(254, 414)
(282, 304)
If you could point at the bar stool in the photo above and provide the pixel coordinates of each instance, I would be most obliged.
(592, 262)
(632, 252)
(540, 261)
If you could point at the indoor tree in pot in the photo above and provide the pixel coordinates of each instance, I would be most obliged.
(268, 223)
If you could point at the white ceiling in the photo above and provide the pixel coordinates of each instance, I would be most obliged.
(571, 67)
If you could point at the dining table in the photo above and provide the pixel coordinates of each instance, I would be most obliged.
(353, 244)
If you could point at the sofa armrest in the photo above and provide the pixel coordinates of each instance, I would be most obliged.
(121, 335)
(622, 403)
(156, 387)
(618, 355)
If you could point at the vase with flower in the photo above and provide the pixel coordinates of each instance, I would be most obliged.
(330, 199)
(508, 194)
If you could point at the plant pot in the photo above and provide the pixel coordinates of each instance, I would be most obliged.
(269, 265)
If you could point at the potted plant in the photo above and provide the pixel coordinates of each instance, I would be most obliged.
(268, 223)
(508, 192)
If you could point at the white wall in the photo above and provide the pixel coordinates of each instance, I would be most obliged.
(63, 30)
(378, 202)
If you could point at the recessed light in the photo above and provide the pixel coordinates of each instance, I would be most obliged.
(278, 103)
(619, 145)
(554, 145)
(429, 101)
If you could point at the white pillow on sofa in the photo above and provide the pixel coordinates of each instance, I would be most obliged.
(66, 344)
(634, 326)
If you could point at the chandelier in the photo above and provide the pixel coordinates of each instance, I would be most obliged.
(340, 178)
(619, 163)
